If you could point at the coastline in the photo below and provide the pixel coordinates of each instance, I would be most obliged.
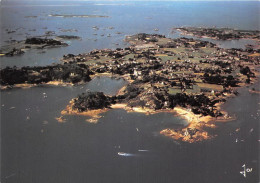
(26, 85)
(199, 122)
(195, 121)
(94, 114)
(254, 91)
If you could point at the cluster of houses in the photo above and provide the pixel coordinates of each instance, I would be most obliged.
(146, 64)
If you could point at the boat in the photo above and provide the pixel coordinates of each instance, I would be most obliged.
(123, 154)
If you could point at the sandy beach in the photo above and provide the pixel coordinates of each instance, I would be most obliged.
(94, 114)
(196, 122)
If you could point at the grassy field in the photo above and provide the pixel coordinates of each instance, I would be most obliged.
(129, 56)
(175, 90)
(210, 86)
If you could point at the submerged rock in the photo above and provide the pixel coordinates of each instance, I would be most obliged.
(68, 37)
(14, 52)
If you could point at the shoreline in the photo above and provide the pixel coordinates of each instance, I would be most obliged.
(195, 121)
(61, 83)
(94, 114)
(26, 85)
(254, 91)
(199, 122)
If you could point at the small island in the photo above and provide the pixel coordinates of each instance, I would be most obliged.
(19, 47)
(184, 76)
(77, 16)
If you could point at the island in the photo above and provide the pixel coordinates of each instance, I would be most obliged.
(77, 16)
(19, 47)
(185, 76)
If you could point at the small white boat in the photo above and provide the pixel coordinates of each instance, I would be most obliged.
(124, 154)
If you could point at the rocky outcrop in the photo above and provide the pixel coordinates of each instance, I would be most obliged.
(14, 52)
(41, 41)
(68, 37)
(91, 101)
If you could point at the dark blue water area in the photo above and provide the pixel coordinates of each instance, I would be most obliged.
(37, 148)
(126, 17)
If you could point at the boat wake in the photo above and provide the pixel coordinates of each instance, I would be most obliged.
(143, 150)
